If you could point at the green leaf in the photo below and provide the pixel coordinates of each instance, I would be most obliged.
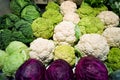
(77, 32)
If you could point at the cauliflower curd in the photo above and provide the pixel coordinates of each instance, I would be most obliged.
(93, 44)
(112, 36)
(109, 18)
(64, 33)
(42, 49)
(67, 7)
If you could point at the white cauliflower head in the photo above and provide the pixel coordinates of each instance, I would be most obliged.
(73, 17)
(109, 18)
(112, 36)
(67, 7)
(93, 44)
(42, 49)
(64, 33)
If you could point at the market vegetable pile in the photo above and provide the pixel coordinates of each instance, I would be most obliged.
(66, 41)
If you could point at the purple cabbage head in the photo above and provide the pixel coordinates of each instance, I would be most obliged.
(59, 70)
(32, 69)
(90, 68)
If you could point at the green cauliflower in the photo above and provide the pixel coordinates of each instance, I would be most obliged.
(85, 10)
(91, 25)
(52, 5)
(65, 52)
(2, 56)
(30, 13)
(54, 15)
(42, 28)
(18, 53)
(113, 59)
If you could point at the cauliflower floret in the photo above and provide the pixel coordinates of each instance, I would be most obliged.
(67, 7)
(109, 18)
(42, 49)
(64, 33)
(65, 52)
(73, 17)
(112, 36)
(93, 44)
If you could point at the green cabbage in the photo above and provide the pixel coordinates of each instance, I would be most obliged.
(30, 13)
(17, 55)
(2, 56)
(17, 5)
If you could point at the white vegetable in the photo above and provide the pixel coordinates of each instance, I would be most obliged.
(67, 7)
(42, 49)
(109, 18)
(73, 17)
(61, 1)
(112, 35)
(64, 33)
(93, 44)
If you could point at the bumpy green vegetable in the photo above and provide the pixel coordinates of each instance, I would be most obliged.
(17, 55)
(113, 59)
(52, 5)
(30, 13)
(86, 10)
(54, 15)
(91, 25)
(66, 53)
(42, 28)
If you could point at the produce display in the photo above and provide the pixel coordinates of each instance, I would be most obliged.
(62, 41)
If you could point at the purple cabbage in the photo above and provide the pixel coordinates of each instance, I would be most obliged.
(32, 69)
(90, 68)
(59, 70)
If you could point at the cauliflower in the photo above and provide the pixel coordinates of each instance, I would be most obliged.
(93, 44)
(109, 18)
(91, 25)
(113, 59)
(73, 17)
(42, 49)
(42, 28)
(65, 52)
(112, 35)
(64, 33)
(67, 7)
